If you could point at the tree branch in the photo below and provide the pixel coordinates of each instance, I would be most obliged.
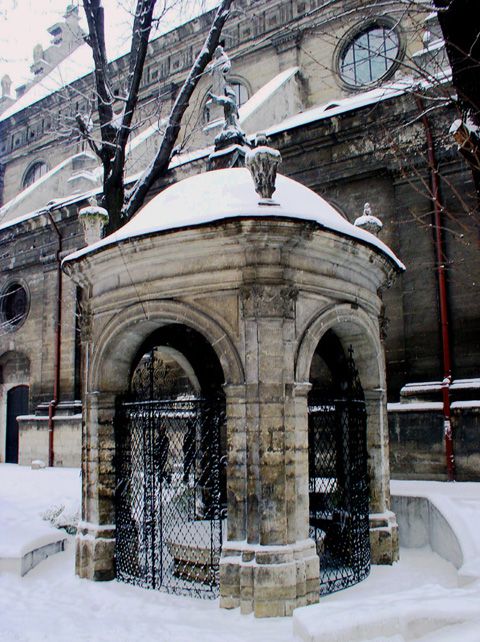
(84, 131)
(96, 39)
(160, 162)
(141, 33)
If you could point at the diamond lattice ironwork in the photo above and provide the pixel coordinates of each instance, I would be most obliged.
(170, 494)
(338, 483)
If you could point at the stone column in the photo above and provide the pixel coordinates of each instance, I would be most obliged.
(274, 568)
(95, 541)
(383, 523)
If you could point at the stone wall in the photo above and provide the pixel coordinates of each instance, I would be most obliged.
(29, 256)
(417, 444)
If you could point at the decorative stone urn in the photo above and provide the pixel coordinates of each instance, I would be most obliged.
(259, 289)
(369, 222)
(93, 219)
(263, 162)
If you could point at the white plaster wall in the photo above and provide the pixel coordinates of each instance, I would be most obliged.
(33, 440)
(421, 524)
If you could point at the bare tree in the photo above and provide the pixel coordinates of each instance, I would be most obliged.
(115, 130)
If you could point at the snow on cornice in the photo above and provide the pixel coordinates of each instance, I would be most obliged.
(78, 64)
(322, 112)
(343, 105)
(6, 210)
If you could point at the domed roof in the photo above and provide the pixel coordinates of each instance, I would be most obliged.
(230, 193)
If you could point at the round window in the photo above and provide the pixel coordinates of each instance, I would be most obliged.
(369, 55)
(13, 305)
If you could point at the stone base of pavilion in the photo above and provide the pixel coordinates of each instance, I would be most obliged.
(269, 581)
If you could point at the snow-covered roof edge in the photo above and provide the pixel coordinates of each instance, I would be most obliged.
(265, 92)
(5, 209)
(295, 202)
(321, 112)
(75, 66)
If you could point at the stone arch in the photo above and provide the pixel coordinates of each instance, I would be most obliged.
(115, 351)
(126, 331)
(14, 374)
(14, 368)
(184, 364)
(353, 326)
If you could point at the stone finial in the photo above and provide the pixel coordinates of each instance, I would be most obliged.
(369, 222)
(6, 86)
(263, 161)
(93, 219)
(37, 53)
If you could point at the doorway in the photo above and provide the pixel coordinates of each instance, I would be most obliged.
(17, 405)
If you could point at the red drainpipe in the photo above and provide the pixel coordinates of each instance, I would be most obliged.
(442, 292)
(57, 345)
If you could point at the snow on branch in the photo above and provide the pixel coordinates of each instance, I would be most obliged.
(160, 162)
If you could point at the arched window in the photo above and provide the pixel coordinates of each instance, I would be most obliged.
(34, 172)
(241, 94)
(369, 55)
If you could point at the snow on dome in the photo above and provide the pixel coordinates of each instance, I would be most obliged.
(230, 193)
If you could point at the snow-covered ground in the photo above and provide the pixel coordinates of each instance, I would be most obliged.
(51, 603)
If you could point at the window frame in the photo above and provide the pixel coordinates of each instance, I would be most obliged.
(10, 324)
(231, 81)
(354, 34)
(31, 168)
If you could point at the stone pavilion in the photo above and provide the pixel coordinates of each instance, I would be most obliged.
(248, 297)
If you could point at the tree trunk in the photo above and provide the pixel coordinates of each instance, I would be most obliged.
(122, 205)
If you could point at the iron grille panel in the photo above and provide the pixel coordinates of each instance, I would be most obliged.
(338, 485)
(170, 497)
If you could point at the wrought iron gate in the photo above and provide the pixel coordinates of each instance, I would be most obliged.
(338, 483)
(170, 499)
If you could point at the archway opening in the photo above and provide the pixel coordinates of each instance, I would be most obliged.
(17, 405)
(338, 480)
(170, 463)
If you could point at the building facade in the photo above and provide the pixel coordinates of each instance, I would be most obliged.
(353, 97)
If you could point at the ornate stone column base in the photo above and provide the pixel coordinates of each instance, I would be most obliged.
(383, 538)
(269, 580)
(95, 552)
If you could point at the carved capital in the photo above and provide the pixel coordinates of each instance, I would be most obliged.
(269, 301)
(384, 323)
(85, 321)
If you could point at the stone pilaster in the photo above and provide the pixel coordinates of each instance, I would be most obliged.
(268, 566)
(383, 524)
(95, 542)
(236, 462)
